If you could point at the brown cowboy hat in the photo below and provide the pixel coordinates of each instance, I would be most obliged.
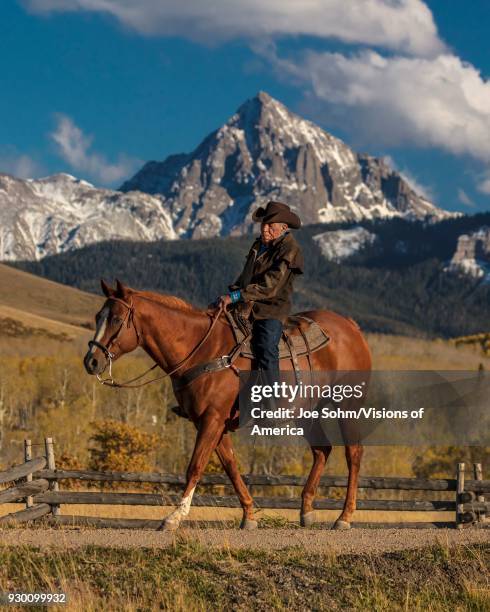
(277, 212)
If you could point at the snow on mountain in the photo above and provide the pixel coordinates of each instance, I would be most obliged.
(59, 213)
(472, 255)
(264, 151)
(267, 152)
(341, 244)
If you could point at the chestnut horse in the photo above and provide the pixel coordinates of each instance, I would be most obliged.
(171, 332)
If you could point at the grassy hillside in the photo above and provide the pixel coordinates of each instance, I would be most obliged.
(37, 303)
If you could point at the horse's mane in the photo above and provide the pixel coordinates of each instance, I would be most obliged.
(172, 301)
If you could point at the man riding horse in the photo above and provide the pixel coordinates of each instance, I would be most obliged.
(183, 340)
(263, 290)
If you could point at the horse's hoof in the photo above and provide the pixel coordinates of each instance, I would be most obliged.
(168, 526)
(341, 525)
(249, 524)
(308, 519)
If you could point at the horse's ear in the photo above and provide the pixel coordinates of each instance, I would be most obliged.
(121, 290)
(106, 290)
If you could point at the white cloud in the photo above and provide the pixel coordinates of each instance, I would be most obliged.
(19, 165)
(405, 25)
(465, 199)
(434, 102)
(420, 94)
(74, 147)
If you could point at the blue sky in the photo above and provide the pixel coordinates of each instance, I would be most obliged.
(95, 88)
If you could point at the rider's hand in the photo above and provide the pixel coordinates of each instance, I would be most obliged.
(225, 300)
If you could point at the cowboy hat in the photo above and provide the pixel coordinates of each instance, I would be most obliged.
(277, 212)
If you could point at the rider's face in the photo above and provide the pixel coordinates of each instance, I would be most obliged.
(271, 231)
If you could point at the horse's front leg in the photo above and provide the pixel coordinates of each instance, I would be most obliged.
(209, 433)
(229, 463)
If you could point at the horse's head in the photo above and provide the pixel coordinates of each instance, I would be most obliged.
(115, 331)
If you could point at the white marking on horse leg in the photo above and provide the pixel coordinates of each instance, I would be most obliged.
(182, 509)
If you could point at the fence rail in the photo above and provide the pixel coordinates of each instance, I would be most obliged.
(23, 470)
(40, 490)
(366, 482)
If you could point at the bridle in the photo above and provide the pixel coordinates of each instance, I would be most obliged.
(106, 350)
(128, 321)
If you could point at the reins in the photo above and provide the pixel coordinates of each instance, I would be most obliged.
(128, 319)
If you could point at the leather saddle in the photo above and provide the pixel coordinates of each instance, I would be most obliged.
(301, 335)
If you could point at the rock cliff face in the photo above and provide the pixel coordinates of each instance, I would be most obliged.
(267, 152)
(472, 255)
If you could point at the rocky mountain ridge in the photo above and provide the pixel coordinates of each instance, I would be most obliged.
(264, 151)
(472, 255)
(60, 213)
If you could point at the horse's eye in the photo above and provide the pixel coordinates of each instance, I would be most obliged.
(116, 320)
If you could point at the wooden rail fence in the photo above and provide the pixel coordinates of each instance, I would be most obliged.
(36, 483)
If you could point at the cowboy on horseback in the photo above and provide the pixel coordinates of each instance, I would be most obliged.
(262, 292)
(192, 348)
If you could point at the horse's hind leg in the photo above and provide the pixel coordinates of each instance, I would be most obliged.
(320, 456)
(353, 455)
(226, 455)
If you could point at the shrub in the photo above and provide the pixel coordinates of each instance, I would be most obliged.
(121, 448)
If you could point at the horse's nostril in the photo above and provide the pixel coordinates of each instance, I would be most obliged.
(93, 363)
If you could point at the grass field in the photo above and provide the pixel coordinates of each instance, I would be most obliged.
(187, 575)
(38, 296)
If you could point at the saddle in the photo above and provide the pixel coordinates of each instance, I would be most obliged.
(301, 336)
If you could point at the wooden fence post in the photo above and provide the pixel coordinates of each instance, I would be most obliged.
(48, 443)
(459, 491)
(28, 457)
(478, 472)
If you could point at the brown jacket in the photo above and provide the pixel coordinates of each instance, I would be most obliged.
(267, 280)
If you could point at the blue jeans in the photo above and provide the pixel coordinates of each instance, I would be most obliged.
(266, 334)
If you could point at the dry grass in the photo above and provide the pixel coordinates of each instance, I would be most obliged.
(403, 353)
(188, 575)
(22, 324)
(45, 298)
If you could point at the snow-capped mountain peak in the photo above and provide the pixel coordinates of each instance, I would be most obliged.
(265, 151)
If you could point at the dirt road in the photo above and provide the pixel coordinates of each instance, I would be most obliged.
(353, 541)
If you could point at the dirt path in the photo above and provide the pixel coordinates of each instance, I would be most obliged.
(354, 541)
